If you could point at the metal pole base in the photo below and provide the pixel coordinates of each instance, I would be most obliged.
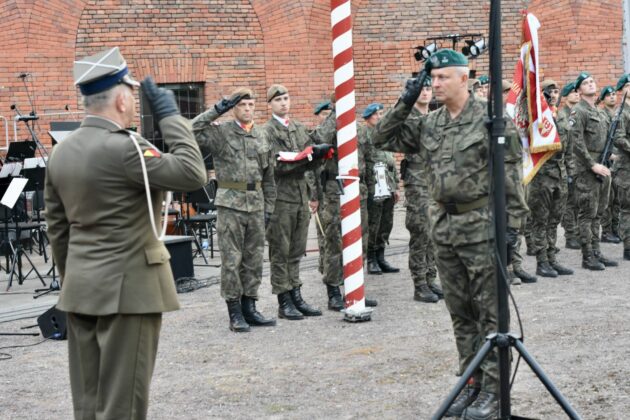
(362, 315)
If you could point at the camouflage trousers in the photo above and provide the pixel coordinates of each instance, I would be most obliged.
(525, 232)
(320, 239)
(546, 201)
(467, 274)
(622, 180)
(380, 222)
(610, 218)
(421, 249)
(241, 237)
(286, 235)
(569, 218)
(592, 199)
(333, 248)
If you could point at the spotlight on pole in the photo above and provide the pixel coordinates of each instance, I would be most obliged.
(424, 52)
(474, 49)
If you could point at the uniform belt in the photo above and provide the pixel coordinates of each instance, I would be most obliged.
(460, 208)
(241, 186)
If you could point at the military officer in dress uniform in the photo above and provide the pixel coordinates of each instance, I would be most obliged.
(288, 225)
(104, 193)
(245, 201)
(589, 127)
(382, 181)
(453, 141)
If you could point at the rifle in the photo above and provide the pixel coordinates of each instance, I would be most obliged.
(604, 158)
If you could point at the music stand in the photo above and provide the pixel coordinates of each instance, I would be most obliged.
(8, 201)
(36, 177)
(20, 150)
(59, 130)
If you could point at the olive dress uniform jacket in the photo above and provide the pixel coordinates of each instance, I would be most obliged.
(98, 223)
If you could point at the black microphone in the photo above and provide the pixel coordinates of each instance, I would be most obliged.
(27, 117)
(12, 107)
(24, 75)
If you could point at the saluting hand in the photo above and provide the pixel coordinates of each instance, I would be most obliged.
(225, 104)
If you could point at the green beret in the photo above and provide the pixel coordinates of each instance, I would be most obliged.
(568, 88)
(483, 80)
(275, 91)
(582, 77)
(322, 106)
(622, 81)
(605, 91)
(445, 58)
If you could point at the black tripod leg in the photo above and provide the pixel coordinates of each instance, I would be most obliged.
(33, 268)
(555, 393)
(470, 370)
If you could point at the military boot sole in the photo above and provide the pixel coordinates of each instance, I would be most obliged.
(593, 267)
(310, 312)
(426, 299)
(390, 270)
(290, 317)
(261, 323)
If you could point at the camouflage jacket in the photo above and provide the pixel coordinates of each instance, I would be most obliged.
(556, 166)
(291, 184)
(374, 156)
(588, 130)
(457, 154)
(562, 125)
(622, 142)
(239, 157)
(415, 166)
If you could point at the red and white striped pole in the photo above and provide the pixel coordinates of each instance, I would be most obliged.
(341, 22)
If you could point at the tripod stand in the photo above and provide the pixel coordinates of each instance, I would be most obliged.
(503, 340)
(17, 251)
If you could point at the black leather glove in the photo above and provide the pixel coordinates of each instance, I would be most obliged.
(511, 240)
(161, 101)
(412, 91)
(267, 218)
(224, 105)
(321, 150)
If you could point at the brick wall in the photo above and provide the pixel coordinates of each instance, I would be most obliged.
(227, 43)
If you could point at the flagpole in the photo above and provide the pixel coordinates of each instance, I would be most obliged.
(351, 231)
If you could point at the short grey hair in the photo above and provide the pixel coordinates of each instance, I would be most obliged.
(101, 100)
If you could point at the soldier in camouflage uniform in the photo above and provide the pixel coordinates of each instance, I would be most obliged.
(588, 131)
(453, 142)
(245, 199)
(569, 219)
(321, 110)
(288, 225)
(484, 87)
(380, 209)
(421, 249)
(622, 179)
(546, 199)
(331, 217)
(610, 218)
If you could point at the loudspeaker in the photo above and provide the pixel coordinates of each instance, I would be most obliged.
(180, 248)
(52, 323)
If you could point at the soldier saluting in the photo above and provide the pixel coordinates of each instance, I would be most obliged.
(245, 199)
(454, 145)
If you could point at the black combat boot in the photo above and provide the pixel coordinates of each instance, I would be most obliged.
(524, 275)
(424, 294)
(591, 262)
(237, 322)
(514, 281)
(335, 300)
(385, 266)
(466, 397)
(371, 303)
(485, 407)
(252, 316)
(286, 308)
(562, 270)
(626, 254)
(435, 288)
(610, 237)
(372, 264)
(544, 269)
(572, 243)
(606, 261)
(301, 305)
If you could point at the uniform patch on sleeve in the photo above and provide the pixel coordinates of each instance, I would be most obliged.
(152, 153)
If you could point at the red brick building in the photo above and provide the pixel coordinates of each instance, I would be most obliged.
(220, 44)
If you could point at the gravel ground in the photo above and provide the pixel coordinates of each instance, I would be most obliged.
(400, 365)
